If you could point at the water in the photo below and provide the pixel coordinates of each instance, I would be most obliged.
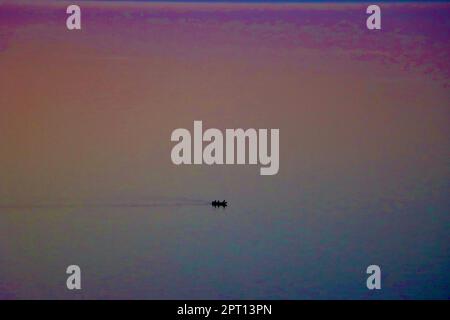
(249, 252)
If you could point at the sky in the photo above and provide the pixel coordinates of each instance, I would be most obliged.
(363, 116)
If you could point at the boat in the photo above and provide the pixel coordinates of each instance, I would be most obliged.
(217, 203)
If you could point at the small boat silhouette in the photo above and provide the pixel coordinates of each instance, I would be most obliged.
(217, 203)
